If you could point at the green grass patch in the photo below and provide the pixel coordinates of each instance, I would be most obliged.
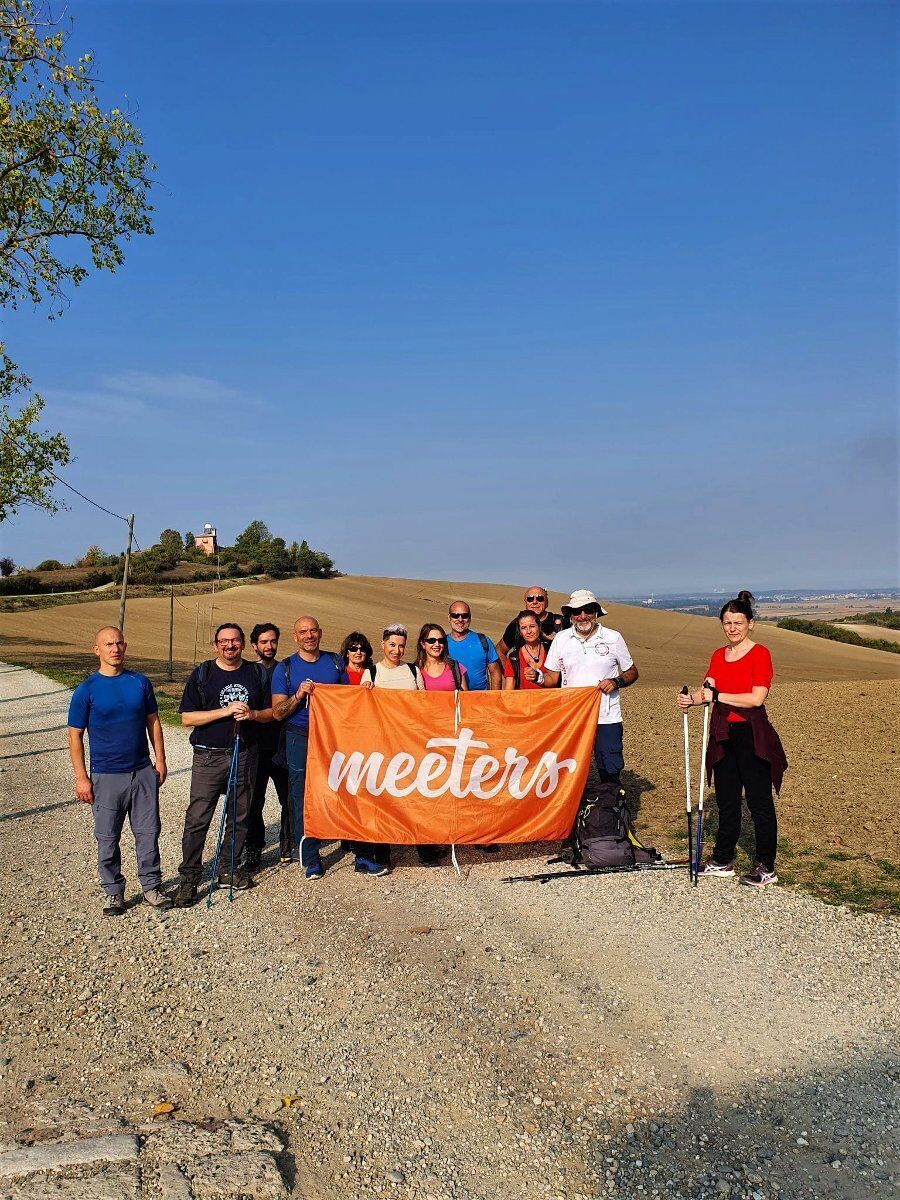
(823, 629)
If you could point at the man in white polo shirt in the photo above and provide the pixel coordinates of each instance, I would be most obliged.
(590, 655)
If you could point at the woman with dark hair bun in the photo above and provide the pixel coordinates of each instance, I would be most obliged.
(745, 754)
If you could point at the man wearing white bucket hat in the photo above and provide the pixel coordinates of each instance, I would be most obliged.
(589, 654)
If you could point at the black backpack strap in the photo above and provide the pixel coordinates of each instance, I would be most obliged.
(484, 643)
(337, 662)
(515, 665)
(415, 673)
(456, 673)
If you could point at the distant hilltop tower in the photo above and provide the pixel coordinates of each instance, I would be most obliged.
(206, 541)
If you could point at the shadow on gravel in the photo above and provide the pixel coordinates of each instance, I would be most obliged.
(31, 695)
(33, 812)
(795, 1138)
(29, 732)
(33, 753)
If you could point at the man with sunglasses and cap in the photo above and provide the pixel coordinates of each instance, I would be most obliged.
(538, 602)
(589, 654)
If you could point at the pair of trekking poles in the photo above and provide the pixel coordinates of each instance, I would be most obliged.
(695, 848)
(231, 791)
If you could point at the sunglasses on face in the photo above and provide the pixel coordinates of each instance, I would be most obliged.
(460, 616)
(356, 649)
(435, 641)
(587, 610)
(532, 599)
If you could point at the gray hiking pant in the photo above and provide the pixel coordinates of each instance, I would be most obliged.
(132, 794)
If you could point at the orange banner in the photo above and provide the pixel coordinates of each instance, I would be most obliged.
(441, 767)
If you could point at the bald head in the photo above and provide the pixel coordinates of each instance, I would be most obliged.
(536, 599)
(109, 646)
(308, 635)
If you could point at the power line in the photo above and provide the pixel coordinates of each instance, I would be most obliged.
(25, 454)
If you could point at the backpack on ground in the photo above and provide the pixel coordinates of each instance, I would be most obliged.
(603, 833)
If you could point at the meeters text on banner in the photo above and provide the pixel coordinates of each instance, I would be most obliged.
(441, 767)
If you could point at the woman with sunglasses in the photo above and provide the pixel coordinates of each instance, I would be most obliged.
(438, 670)
(527, 655)
(356, 651)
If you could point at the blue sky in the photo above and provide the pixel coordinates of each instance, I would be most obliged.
(597, 293)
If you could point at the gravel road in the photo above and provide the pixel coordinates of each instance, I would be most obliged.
(443, 1036)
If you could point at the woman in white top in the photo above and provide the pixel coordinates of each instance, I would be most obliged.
(392, 671)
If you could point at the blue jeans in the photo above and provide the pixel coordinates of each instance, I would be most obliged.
(296, 746)
(608, 752)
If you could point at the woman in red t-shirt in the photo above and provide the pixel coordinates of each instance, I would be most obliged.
(356, 651)
(527, 656)
(740, 674)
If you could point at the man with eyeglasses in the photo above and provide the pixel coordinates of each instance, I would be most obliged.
(222, 695)
(474, 650)
(590, 655)
(538, 602)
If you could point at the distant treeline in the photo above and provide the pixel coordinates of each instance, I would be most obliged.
(887, 619)
(822, 629)
(28, 584)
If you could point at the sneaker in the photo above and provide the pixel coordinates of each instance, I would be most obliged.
(315, 871)
(759, 877)
(252, 860)
(365, 866)
(719, 870)
(185, 894)
(240, 880)
(157, 898)
(113, 906)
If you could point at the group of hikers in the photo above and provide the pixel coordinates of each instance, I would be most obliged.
(263, 707)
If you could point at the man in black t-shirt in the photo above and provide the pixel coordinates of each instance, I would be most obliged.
(264, 639)
(538, 602)
(221, 696)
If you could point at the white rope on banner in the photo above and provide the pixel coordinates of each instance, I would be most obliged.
(457, 720)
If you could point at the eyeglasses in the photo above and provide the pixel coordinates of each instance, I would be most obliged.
(587, 610)
(460, 616)
(356, 649)
(435, 641)
(229, 642)
(531, 599)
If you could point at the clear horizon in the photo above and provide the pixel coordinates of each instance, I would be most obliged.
(496, 291)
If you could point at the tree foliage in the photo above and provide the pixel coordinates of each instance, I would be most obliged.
(170, 544)
(28, 455)
(249, 542)
(7, 566)
(74, 187)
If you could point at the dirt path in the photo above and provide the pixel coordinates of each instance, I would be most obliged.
(445, 1036)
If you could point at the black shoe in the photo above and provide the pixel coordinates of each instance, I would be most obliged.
(252, 860)
(240, 881)
(185, 894)
(430, 858)
(492, 849)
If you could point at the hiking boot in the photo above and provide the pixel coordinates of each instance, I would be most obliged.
(365, 866)
(285, 860)
(240, 880)
(717, 869)
(113, 906)
(157, 898)
(252, 860)
(315, 871)
(759, 877)
(185, 894)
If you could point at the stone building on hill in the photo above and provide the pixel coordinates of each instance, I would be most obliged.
(206, 541)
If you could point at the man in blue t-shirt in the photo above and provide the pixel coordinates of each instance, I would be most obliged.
(293, 682)
(223, 696)
(474, 650)
(117, 709)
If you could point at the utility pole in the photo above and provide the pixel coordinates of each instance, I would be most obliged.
(196, 632)
(171, 630)
(125, 573)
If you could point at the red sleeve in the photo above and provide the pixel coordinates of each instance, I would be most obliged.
(507, 669)
(761, 669)
(711, 669)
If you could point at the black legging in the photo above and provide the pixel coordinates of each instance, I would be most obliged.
(741, 770)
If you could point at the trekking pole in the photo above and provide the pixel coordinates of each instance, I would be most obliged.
(685, 691)
(234, 790)
(214, 877)
(701, 787)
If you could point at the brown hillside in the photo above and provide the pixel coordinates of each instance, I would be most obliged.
(669, 648)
